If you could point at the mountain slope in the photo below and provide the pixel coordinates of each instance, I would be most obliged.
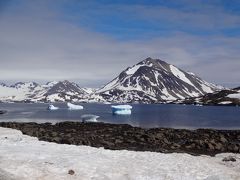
(153, 80)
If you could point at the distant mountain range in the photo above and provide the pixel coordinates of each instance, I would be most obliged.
(50, 92)
(149, 81)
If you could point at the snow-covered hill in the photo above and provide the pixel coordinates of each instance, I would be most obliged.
(33, 92)
(152, 81)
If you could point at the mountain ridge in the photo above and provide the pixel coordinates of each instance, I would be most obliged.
(148, 81)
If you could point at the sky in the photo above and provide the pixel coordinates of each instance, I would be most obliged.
(91, 42)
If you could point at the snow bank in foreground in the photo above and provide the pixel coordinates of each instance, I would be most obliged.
(23, 157)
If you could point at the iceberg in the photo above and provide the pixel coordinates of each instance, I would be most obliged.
(89, 118)
(74, 107)
(121, 109)
(52, 107)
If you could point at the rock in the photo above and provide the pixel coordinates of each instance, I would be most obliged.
(191, 146)
(223, 139)
(118, 141)
(229, 158)
(54, 134)
(166, 141)
(218, 146)
(56, 140)
(233, 148)
(210, 147)
(71, 172)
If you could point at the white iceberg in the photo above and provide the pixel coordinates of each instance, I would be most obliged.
(52, 107)
(74, 107)
(122, 109)
(89, 118)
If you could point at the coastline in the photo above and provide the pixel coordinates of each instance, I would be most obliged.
(126, 137)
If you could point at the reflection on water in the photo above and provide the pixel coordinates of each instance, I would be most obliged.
(161, 115)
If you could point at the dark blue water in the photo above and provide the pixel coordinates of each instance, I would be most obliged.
(143, 115)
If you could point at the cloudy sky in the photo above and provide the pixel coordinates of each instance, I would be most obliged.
(90, 42)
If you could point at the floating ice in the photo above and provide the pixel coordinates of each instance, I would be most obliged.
(89, 118)
(52, 107)
(122, 109)
(74, 107)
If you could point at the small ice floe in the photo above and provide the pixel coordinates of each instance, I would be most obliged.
(122, 109)
(52, 107)
(74, 107)
(89, 118)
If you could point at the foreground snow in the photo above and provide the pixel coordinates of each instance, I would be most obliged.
(23, 157)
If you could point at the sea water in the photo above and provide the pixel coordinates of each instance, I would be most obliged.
(143, 115)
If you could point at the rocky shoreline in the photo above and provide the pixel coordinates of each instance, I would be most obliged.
(126, 137)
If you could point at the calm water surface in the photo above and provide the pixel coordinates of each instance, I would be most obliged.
(143, 115)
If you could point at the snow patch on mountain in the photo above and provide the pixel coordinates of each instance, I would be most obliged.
(236, 95)
(179, 74)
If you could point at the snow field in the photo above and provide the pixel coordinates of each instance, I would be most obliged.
(24, 157)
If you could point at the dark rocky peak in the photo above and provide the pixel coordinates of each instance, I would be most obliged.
(145, 68)
(155, 63)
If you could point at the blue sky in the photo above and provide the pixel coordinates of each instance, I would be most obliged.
(71, 39)
(148, 19)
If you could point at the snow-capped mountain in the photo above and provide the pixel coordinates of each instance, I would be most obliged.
(149, 81)
(153, 81)
(33, 92)
(62, 91)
